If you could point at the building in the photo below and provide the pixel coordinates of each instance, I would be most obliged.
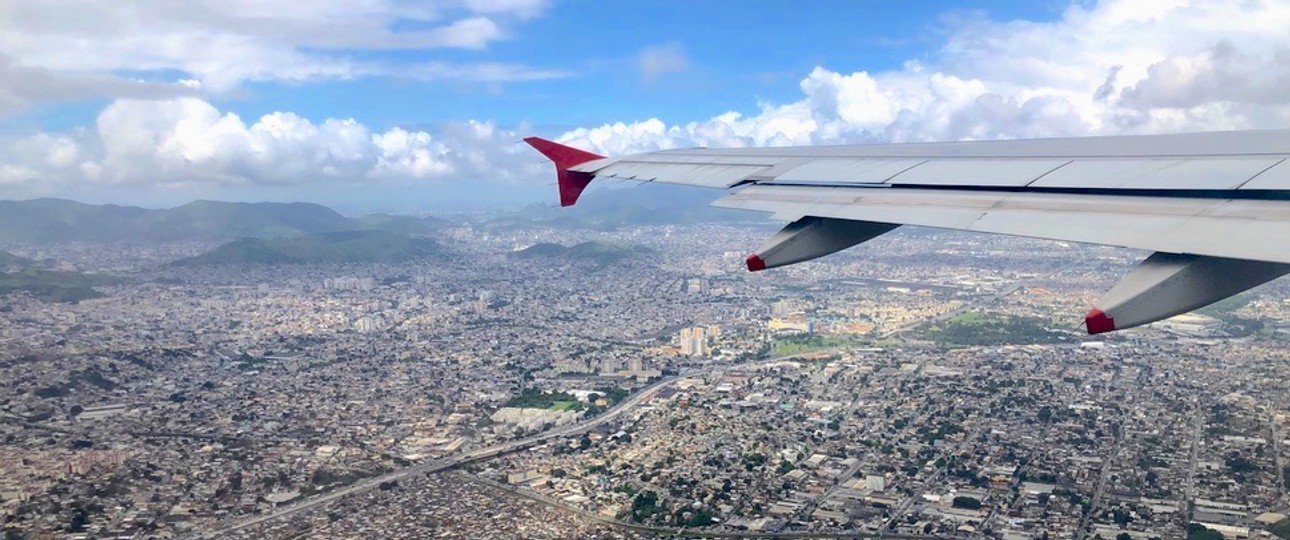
(694, 341)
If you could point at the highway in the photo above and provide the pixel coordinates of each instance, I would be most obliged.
(1086, 522)
(447, 463)
(434, 466)
(1279, 471)
(1189, 490)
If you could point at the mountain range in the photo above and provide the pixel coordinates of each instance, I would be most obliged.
(59, 220)
(613, 208)
(330, 247)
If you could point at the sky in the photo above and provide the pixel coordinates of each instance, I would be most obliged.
(386, 105)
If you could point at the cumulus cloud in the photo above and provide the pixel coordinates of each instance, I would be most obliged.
(1119, 66)
(189, 142)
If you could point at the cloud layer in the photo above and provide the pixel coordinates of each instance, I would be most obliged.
(187, 142)
(76, 49)
(1121, 66)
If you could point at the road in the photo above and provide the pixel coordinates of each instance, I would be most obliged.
(1105, 475)
(1279, 472)
(853, 469)
(475, 455)
(1189, 489)
(1109, 463)
(447, 463)
(934, 481)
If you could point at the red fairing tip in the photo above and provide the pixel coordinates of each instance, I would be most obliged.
(755, 264)
(571, 182)
(1098, 322)
(563, 156)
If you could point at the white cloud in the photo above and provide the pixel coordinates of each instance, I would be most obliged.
(188, 142)
(1120, 66)
(13, 175)
(222, 43)
(659, 60)
(1117, 67)
(410, 155)
(21, 84)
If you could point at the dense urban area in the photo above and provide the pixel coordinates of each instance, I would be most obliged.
(637, 382)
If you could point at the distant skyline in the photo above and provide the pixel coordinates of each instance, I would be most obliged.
(419, 106)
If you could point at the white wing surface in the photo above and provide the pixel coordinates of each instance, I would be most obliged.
(1214, 206)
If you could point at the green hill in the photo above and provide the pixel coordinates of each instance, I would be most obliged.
(406, 225)
(595, 252)
(335, 247)
(610, 209)
(58, 220)
(214, 220)
(10, 261)
(54, 286)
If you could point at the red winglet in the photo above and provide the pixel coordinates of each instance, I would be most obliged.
(755, 264)
(571, 182)
(1098, 322)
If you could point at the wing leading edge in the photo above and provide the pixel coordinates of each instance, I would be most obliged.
(1215, 207)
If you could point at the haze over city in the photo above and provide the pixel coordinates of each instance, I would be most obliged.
(290, 270)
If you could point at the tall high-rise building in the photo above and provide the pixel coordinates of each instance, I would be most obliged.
(694, 341)
(367, 324)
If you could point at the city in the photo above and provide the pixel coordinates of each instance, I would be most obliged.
(925, 385)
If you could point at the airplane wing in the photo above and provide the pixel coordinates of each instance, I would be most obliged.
(1214, 207)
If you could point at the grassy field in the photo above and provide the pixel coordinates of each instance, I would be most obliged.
(987, 328)
(565, 405)
(55, 286)
(793, 345)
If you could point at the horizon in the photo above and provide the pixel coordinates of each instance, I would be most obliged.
(400, 108)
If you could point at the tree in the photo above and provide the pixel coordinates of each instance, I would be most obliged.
(971, 503)
(79, 520)
(1123, 536)
(1046, 415)
(1196, 531)
(644, 505)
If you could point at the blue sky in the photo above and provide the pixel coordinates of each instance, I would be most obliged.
(738, 53)
(139, 102)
